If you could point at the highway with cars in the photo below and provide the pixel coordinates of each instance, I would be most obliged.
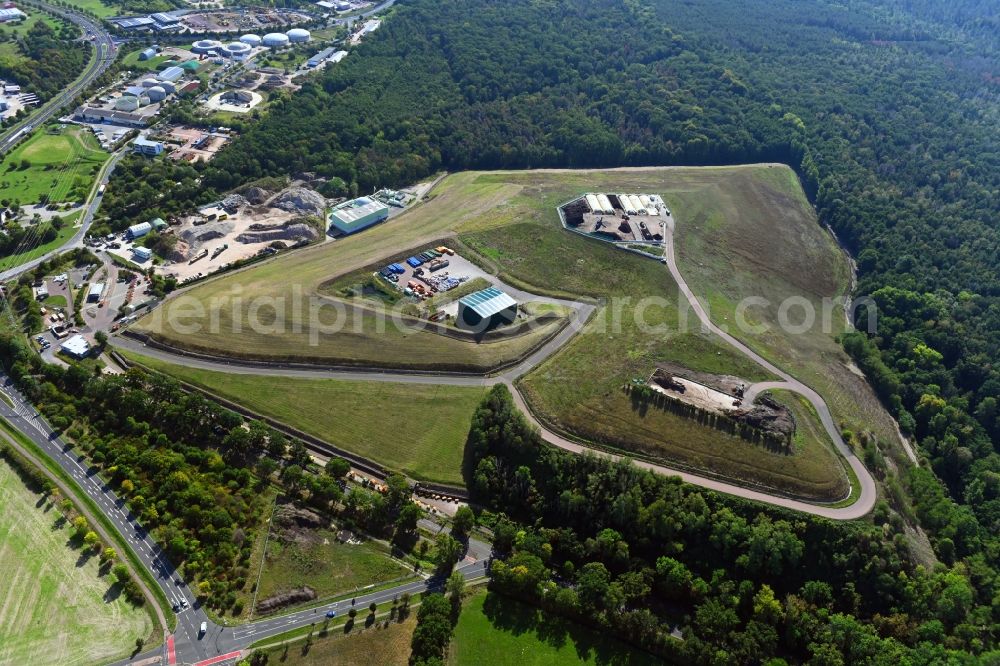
(187, 645)
(105, 51)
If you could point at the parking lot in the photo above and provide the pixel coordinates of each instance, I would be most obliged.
(421, 282)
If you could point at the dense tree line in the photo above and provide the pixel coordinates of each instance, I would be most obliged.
(48, 59)
(637, 554)
(182, 463)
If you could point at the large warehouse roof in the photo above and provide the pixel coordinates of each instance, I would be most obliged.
(170, 73)
(487, 302)
(357, 211)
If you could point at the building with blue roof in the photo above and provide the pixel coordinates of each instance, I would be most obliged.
(486, 309)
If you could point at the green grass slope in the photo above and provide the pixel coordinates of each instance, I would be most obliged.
(493, 629)
(413, 428)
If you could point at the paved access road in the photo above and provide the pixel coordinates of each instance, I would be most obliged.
(105, 55)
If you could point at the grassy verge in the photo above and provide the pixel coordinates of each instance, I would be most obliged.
(83, 499)
(493, 629)
(418, 429)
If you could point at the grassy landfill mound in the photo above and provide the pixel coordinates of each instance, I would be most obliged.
(55, 608)
(506, 222)
(494, 629)
(418, 429)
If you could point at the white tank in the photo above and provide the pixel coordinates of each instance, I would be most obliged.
(595, 206)
(298, 35)
(275, 40)
(250, 40)
(127, 103)
(149, 83)
(156, 93)
(644, 200)
(606, 206)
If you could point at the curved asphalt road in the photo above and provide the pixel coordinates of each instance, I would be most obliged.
(867, 491)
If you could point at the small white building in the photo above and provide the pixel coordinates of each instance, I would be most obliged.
(139, 230)
(76, 346)
(142, 254)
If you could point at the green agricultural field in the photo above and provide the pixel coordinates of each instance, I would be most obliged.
(60, 164)
(331, 568)
(413, 428)
(55, 608)
(493, 629)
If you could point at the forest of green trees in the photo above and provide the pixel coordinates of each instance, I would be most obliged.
(48, 59)
(637, 554)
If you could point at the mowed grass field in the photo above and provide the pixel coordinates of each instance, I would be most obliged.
(757, 236)
(52, 602)
(493, 629)
(59, 163)
(417, 429)
(326, 565)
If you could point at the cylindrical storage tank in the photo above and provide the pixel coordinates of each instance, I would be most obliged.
(606, 206)
(595, 206)
(149, 83)
(298, 35)
(156, 94)
(236, 50)
(205, 45)
(636, 204)
(127, 103)
(250, 40)
(275, 40)
(169, 87)
(143, 100)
